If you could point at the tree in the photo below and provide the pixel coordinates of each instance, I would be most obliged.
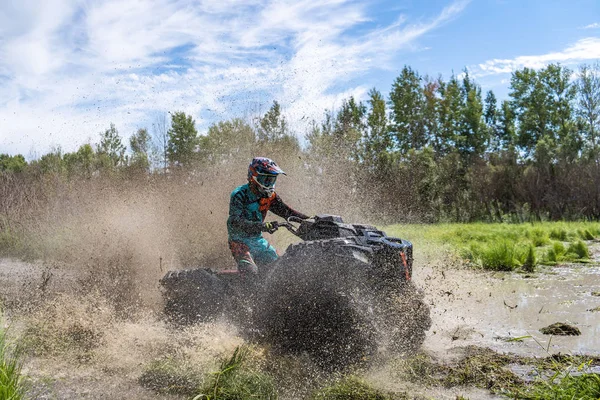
(83, 162)
(349, 129)
(506, 126)
(588, 84)
(110, 148)
(543, 104)
(431, 112)
(377, 143)
(12, 163)
(450, 115)
(273, 126)
(320, 137)
(140, 145)
(491, 118)
(227, 140)
(273, 133)
(183, 139)
(407, 101)
(473, 133)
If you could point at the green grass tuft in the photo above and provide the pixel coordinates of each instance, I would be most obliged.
(585, 234)
(235, 380)
(558, 234)
(530, 261)
(584, 386)
(539, 237)
(578, 251)
(12, 383)
(167, 376)
(498, 256)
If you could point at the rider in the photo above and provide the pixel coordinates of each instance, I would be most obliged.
(247, 210)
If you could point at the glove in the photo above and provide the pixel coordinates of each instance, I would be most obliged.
(270, 227)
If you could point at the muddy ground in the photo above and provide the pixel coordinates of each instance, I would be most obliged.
(79, 347)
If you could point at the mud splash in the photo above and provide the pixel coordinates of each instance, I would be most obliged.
(503, 312)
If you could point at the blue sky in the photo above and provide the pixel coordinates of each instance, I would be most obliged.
(68, 68)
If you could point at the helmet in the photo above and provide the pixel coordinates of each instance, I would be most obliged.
(262, 174)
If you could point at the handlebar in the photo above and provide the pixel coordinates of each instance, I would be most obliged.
(290, 224)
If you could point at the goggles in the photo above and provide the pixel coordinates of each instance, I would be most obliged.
(266, 180)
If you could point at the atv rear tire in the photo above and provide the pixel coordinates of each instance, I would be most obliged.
(193, 295)
(317, 301)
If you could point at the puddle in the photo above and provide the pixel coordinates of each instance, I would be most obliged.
(487, 309)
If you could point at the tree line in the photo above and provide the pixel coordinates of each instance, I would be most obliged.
(434, 150)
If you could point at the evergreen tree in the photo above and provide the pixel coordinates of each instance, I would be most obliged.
(431, 112)
(273, 126)
(491, 118)
(111, 148)
(450, 116)
(588, 84)
(349, 129)
(140, 147)
(377, 142)
(506, 126)
(273, 132)
(407, 102)
(473, 134)
(183, 140)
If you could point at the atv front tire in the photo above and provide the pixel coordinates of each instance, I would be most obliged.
(317, 302)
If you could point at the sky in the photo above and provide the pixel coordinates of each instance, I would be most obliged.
(70, 68)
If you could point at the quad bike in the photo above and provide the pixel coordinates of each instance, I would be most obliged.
(340, 296)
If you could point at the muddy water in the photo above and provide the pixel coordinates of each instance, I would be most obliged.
(487, 309)
(468, 308)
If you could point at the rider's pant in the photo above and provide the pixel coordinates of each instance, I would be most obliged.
(251, 253)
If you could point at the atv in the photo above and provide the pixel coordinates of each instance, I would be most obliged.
(340, 296)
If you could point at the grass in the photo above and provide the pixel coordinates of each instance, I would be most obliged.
(12, 383)
(489, 370)
(236, 379)
(504, 247)
(565, 384)
(170, 377)
(585, 386)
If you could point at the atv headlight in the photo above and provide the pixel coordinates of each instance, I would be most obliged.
(360, 256)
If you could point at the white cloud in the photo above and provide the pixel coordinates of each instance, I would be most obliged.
(70, 67)
(583, 50)
(595, 25)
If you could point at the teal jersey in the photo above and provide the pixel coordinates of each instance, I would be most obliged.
(247, 212)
